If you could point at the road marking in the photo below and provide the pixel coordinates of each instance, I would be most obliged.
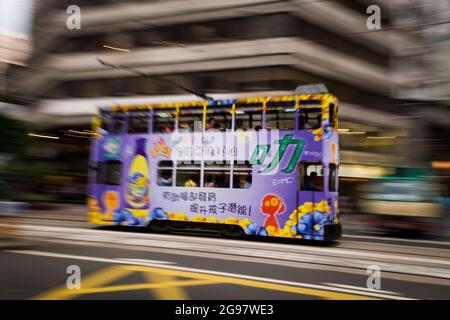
(238, 279)
(162, 286)
(107, 275)
(87, 258)
(170, 288)
(146, 261)
(362, 289)
(261, 283)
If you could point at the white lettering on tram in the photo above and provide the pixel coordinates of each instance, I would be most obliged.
(287, 180)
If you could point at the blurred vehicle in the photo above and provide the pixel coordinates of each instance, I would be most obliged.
(143, 174)
(407, 200)
(9, 217)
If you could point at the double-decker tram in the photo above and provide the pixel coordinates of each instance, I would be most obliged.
(263, 165)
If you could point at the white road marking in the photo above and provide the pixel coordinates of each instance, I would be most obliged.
(139, 262)
(146, 261)
(362, 289)
(217, 273)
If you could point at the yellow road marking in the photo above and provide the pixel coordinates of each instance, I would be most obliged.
(255, 284)
(166, 291)
(96, 279)
(164, 285)
(143, 286)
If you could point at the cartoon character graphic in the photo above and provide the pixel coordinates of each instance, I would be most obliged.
(111, 203)
(138, 186)
(272, 205)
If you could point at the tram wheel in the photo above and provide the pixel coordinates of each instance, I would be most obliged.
(232, 231)
(158, 226)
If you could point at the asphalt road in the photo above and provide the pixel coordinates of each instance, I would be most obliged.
(135, 264)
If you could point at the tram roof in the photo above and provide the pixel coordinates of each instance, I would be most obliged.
(321, 97)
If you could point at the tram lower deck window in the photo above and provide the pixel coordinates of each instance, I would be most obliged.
(165, 173)
(109, 172)
(332, 177)
(242, 179)
(311, 176)
(216, 179)
(188, 178)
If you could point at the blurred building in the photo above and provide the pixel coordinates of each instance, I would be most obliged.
(234, 46)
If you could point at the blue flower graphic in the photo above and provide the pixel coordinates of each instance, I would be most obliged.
(121, 215)
(254, 229)
(158, 213)
(134, 221)
(263, 232)
(310, 225)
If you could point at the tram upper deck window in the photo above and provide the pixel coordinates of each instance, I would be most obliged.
(190, 119)
(310, 118)
(280, 115)
(138, 123)
(333, 110)
(104, 121)
(248, 116)
(164, 121)
(118, 124)
(218, 118)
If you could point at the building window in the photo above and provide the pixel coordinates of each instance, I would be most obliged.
(109, 172)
